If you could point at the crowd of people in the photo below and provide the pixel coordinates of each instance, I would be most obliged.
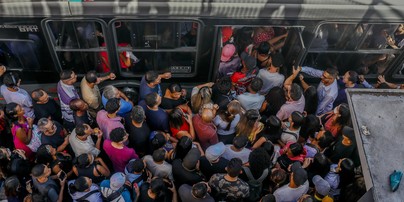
(252, 135)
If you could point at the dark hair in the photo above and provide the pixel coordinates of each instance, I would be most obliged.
(151, 76)
(224, 85)
(158, 140)
(277, 60)
(159, 155)
(320, 165)
(279, 177)
(347, 173)
(11, 185)
(275, 99)
(37, 93)
(259, 160)
(79, 185)
(353, 76)
(137, 114)
(240, 141)
(91, 76)
(10, 111)
(66, 74)
(345, 118)
(43, 156)
(296, 92)
(269, 148)
(138, 165)
(174, 88)
(199, 190)
(264, 48)
(311, 100)
(296, 149)
(38, 170)
(117, 134)
(81, 129)
(157, 187)
(82, 161)
(234, 167)
(297, 118)
(273, 126)
(112, 105)
(175, 118)
(184, 145)
(256, 84)
(11, 79)
(74, 104)
(326, 140)
(332, 71)
(151, 99)
(310, 126)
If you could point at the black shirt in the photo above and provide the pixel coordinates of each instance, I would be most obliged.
(208, 169)
(183, 176)
(56, 139)
(167, 103)
(49, 109)
(138, 138)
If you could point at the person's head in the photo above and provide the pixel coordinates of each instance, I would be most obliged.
(184, 145)
(157, 187)
(240, 141)
(248, 61)
(324, 139)
(248, 122)
(228, 52)
(298, 176)
(234, 107)
(342, 114)
(350, 77)
(268, 198)
(329, 76)
(84, 160)
(11, 80)
(40, 96)
(234, 167)
(346, 171)
(135, 166)
(152, 78)
(255, 85)
(277, 60)
(207, 115)
(269, 147)
(47, 126)
(41, 171)
(117, 180)
(259, 160)
(295, 149)
(68, 77)
(278, 176)
(199, 190)
(91, 77)
(348, 136)
(214, 152)
(175, 91)
(113, 105)
(13, 111)
(5, 154)
(118, 135)
(138, 115)
(320, 164)
(45, 154)
(158, 141)
(311, 100)
(322, 186)
(110, 92)
(296, 119)
(294, 93)
(191, 160)
(224, 85)
(264, 48)
(12, 186)
(273, 125)
(203, 96)
(78, 105)
(175, 118)
(152, 99)
(83, 130)
(81, 184)
(310, 126)
(159, 155)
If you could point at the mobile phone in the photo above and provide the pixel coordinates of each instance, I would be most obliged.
(62, 175)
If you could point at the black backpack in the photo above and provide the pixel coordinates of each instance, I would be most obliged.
(255, 184)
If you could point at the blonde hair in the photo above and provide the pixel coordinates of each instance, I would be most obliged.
(207, 115)
(233, 108)
(247, 123)
(202, 97)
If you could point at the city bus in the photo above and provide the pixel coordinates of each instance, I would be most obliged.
(41, 38)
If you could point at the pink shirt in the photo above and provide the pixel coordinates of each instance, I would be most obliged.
(119, 157)
(206, 132)
(108, 124)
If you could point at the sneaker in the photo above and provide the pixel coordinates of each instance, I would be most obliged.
(395, 179)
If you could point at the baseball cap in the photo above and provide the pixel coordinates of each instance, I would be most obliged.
(299, 174)
(191, 159)
(215, 151)
(117, 181)
(322, 186)
(227, 52)
(249, 61)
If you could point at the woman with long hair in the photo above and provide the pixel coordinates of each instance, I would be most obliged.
(227, 120)
(24, 132)
(340, 175)
(57, 161)
(201, 95)
(250, 125)
(272, 132)
(335, 120)
(88, 166)
(181, 123)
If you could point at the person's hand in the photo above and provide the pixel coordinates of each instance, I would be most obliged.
(296, 70)
(215, 106)
(301, 77)
(390, 41)
(183, 93)
(30, 121)
(210, 84)
(2, 69)
(66, 142)
(166, 75)
(62, 181)
(111, 76)
(188, 118)
(98, 132)
(307, 162)
(136, 188)
(361, 78)
(28, 186)
(381, 79)
(172, 188)
(20, 153)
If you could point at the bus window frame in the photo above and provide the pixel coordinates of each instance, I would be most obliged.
(53, 49)
(196, 49)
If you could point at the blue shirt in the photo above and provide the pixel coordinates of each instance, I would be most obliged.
(326, 94)
(144, 89)
(125, 108)
(106, 191)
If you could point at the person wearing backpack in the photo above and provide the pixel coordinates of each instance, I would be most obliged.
(83, 190)
(45, 185)
(114, 189)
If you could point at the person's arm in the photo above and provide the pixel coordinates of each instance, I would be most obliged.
(99, 137)
(24, 136)
(381, 80)
(123, 96)
(363, 81)
(174, 191)
(188, 118)
(125, 59)
(199, 148)
(62, 187)
(303, 83)
(62, 147)
(312, 72)
(258, 143)
(2, 70)
(111, 76)
(295, 72)
(166, 75)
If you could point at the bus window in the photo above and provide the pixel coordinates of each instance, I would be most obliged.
(377, 37)
(143, 46)
(79, 45)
